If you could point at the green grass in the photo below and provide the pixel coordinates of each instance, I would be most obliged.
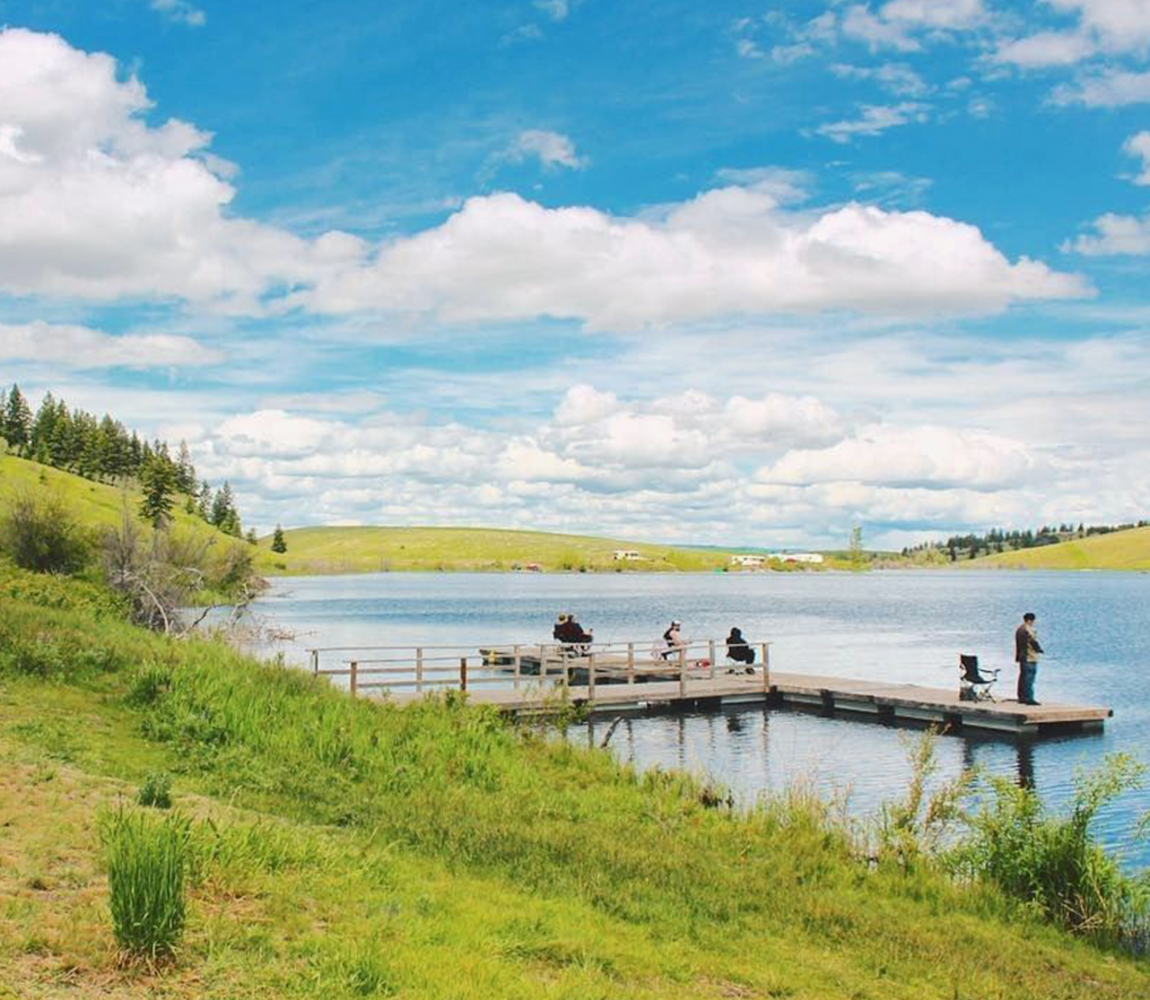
(376, 549)
(1124, 550)
(147, 864)
(95, 506)
(342, 848)
(366, 549)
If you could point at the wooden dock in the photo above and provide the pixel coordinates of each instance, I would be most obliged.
(541, 680)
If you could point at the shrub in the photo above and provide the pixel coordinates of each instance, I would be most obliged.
(156, 791)
(1053, 863)
(148, 685)
(42, 536)
(147, 860)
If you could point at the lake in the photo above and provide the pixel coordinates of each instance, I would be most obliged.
(890, 625)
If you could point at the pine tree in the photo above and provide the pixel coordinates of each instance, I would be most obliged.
(224, 513)
(17, 421)
(204, 502)
(250, 537)
(185, 471)
(279, 543)
(158, 484)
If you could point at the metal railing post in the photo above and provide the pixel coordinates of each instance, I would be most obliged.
(419, 670)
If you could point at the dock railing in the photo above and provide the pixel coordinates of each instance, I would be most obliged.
(425, 669)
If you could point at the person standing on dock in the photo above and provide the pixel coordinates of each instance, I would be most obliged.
(1026, 653)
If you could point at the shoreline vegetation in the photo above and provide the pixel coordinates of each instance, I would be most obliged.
(316, 845)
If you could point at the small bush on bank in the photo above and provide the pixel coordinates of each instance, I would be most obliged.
(1053, 863)
(41, 535)
(147, 864)
(156, 791)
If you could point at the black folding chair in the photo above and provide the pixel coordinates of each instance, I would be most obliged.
(974, 683)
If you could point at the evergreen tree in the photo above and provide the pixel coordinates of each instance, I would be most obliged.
(279, 543)
(204, 502)
(17, 421)
(250, 537)
(159, 485)
(185, 471)
(224, 514)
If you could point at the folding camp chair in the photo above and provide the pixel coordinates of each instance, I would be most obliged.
(973, 682)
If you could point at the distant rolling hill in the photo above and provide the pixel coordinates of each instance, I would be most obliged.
(1128, 550)
(377, 549)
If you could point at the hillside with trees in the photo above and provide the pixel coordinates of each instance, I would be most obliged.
(103, 450)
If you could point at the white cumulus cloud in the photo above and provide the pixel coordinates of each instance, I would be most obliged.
(728, 251)
(921, 457)
(97, 204)
(83, 348)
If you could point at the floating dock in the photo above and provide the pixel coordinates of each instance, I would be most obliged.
(535, 680)
(882, 702)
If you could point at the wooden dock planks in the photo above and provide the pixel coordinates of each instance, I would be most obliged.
(879, 699)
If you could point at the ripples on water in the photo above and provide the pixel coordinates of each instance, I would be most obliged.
(895, 626)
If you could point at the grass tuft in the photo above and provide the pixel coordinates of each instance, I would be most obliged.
(147, 862)
(156, 791)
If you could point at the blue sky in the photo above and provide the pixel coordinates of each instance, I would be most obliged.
(726, 273)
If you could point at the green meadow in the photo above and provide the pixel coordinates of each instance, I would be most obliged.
(365, 549)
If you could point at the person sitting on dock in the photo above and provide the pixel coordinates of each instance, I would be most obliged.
(739, 651)
(572, 635)
(674, 639)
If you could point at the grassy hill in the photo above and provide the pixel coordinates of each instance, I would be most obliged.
(370, 549)
(1118, 550)
(94, 505)
(344, 848)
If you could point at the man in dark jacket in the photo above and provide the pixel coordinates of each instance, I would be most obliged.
(739, 652)
(1026, 653)
(571, 633)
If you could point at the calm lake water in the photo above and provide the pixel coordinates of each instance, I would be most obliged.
(896, 626)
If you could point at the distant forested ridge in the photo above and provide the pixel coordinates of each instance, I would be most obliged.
(997, 540)
(104, 450)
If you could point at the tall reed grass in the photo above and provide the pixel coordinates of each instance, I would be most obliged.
(147, 867)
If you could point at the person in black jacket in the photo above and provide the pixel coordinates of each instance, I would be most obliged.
(569, 632)
(1026, 653)
(739, 651)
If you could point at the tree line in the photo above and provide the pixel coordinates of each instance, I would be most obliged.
(970, 546)
(104, 450)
